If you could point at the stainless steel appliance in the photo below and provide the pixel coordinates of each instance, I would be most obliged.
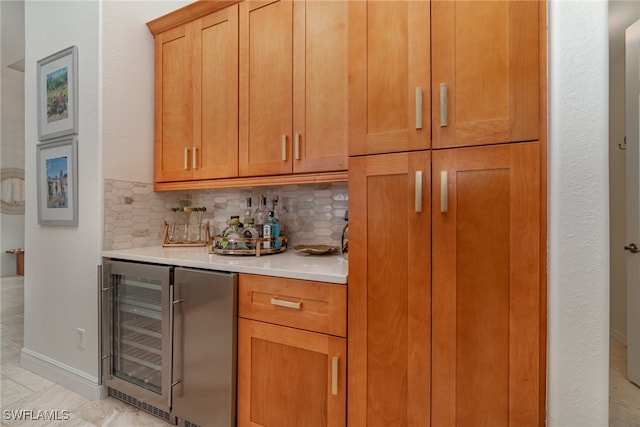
(169, 339)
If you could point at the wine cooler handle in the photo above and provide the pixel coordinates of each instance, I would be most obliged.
(171, 312)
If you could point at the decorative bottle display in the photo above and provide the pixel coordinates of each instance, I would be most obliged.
(261, 215)
(272, 230)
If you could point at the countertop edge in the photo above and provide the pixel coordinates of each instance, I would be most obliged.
(199, 258)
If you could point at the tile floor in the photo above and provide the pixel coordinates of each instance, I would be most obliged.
(23, 390)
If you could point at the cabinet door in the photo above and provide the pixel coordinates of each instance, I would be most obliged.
(320, 67)
(486, 59)
(289, 377)
(216, 95)
(389, 290)
(488, 362)
(266, 98)
(389, 69)
(173, 105)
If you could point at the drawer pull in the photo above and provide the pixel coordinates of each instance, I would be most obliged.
(334, 376)
(287, 304)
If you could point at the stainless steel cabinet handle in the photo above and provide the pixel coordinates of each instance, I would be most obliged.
(287, 304)
(296, 146)
(444, 105)
(194, 158)
(334, 375)
(178, 301)
(444, 192)
(418, 191)
(284, 147)
(186, 158)
(175, 383)
(419, 107)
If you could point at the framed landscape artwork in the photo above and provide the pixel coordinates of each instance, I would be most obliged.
(57, 169)
(58, 94)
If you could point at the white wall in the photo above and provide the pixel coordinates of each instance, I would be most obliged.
(128, 78)
(60, 274)
(578, 215)
(115, 52)
(11, 122)
(621, 15)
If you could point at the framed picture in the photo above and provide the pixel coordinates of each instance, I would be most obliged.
(57, 171)
(58, 94)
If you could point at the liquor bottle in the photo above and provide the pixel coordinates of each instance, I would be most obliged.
(273, 229)
(248, 213)
(230, 233)
(277, 214)
(250, 232)
(261, 215)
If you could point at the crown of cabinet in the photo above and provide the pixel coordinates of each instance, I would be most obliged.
(187, 14)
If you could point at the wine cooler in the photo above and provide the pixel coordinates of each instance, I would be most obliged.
(169, 341)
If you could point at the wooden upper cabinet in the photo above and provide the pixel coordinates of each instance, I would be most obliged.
(196, 125)
(486, 61)
(389, 298)
(266, 92)
(487, 314)
(216, 94)
(389, 76)
(293, 87)
(173, 105)
(320, 88)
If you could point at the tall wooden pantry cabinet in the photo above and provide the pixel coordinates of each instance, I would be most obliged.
(447, 291)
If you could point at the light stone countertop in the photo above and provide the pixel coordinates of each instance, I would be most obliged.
(291, 263)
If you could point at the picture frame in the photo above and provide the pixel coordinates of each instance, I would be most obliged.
(58, 94)
(57, 174)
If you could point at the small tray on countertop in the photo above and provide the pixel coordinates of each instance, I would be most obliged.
(316, 249)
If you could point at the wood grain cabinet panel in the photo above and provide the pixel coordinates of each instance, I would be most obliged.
(487, 340)
(486, 60)
(389, 300)
(293, 87)
(389, 76)
(196, 117)
(289, 374)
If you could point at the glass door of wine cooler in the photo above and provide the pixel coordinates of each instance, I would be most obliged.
(139, 356)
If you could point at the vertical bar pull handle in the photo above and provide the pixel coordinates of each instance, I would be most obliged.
(419, 107)
(444, 105)
(334, 375)
(284, 147)
(194, 158)
(186, 158)
(296, 146)
(418, 191)
(444, 192)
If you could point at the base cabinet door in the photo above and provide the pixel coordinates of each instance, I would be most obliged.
(487, 350)
(289, 377)
(389, 290)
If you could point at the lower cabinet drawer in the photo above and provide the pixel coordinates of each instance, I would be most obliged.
(303, 304)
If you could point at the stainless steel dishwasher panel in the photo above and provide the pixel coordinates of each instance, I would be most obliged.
(204, 347)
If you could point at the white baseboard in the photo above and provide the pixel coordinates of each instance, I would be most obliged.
(618, 336)
(65, 375)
